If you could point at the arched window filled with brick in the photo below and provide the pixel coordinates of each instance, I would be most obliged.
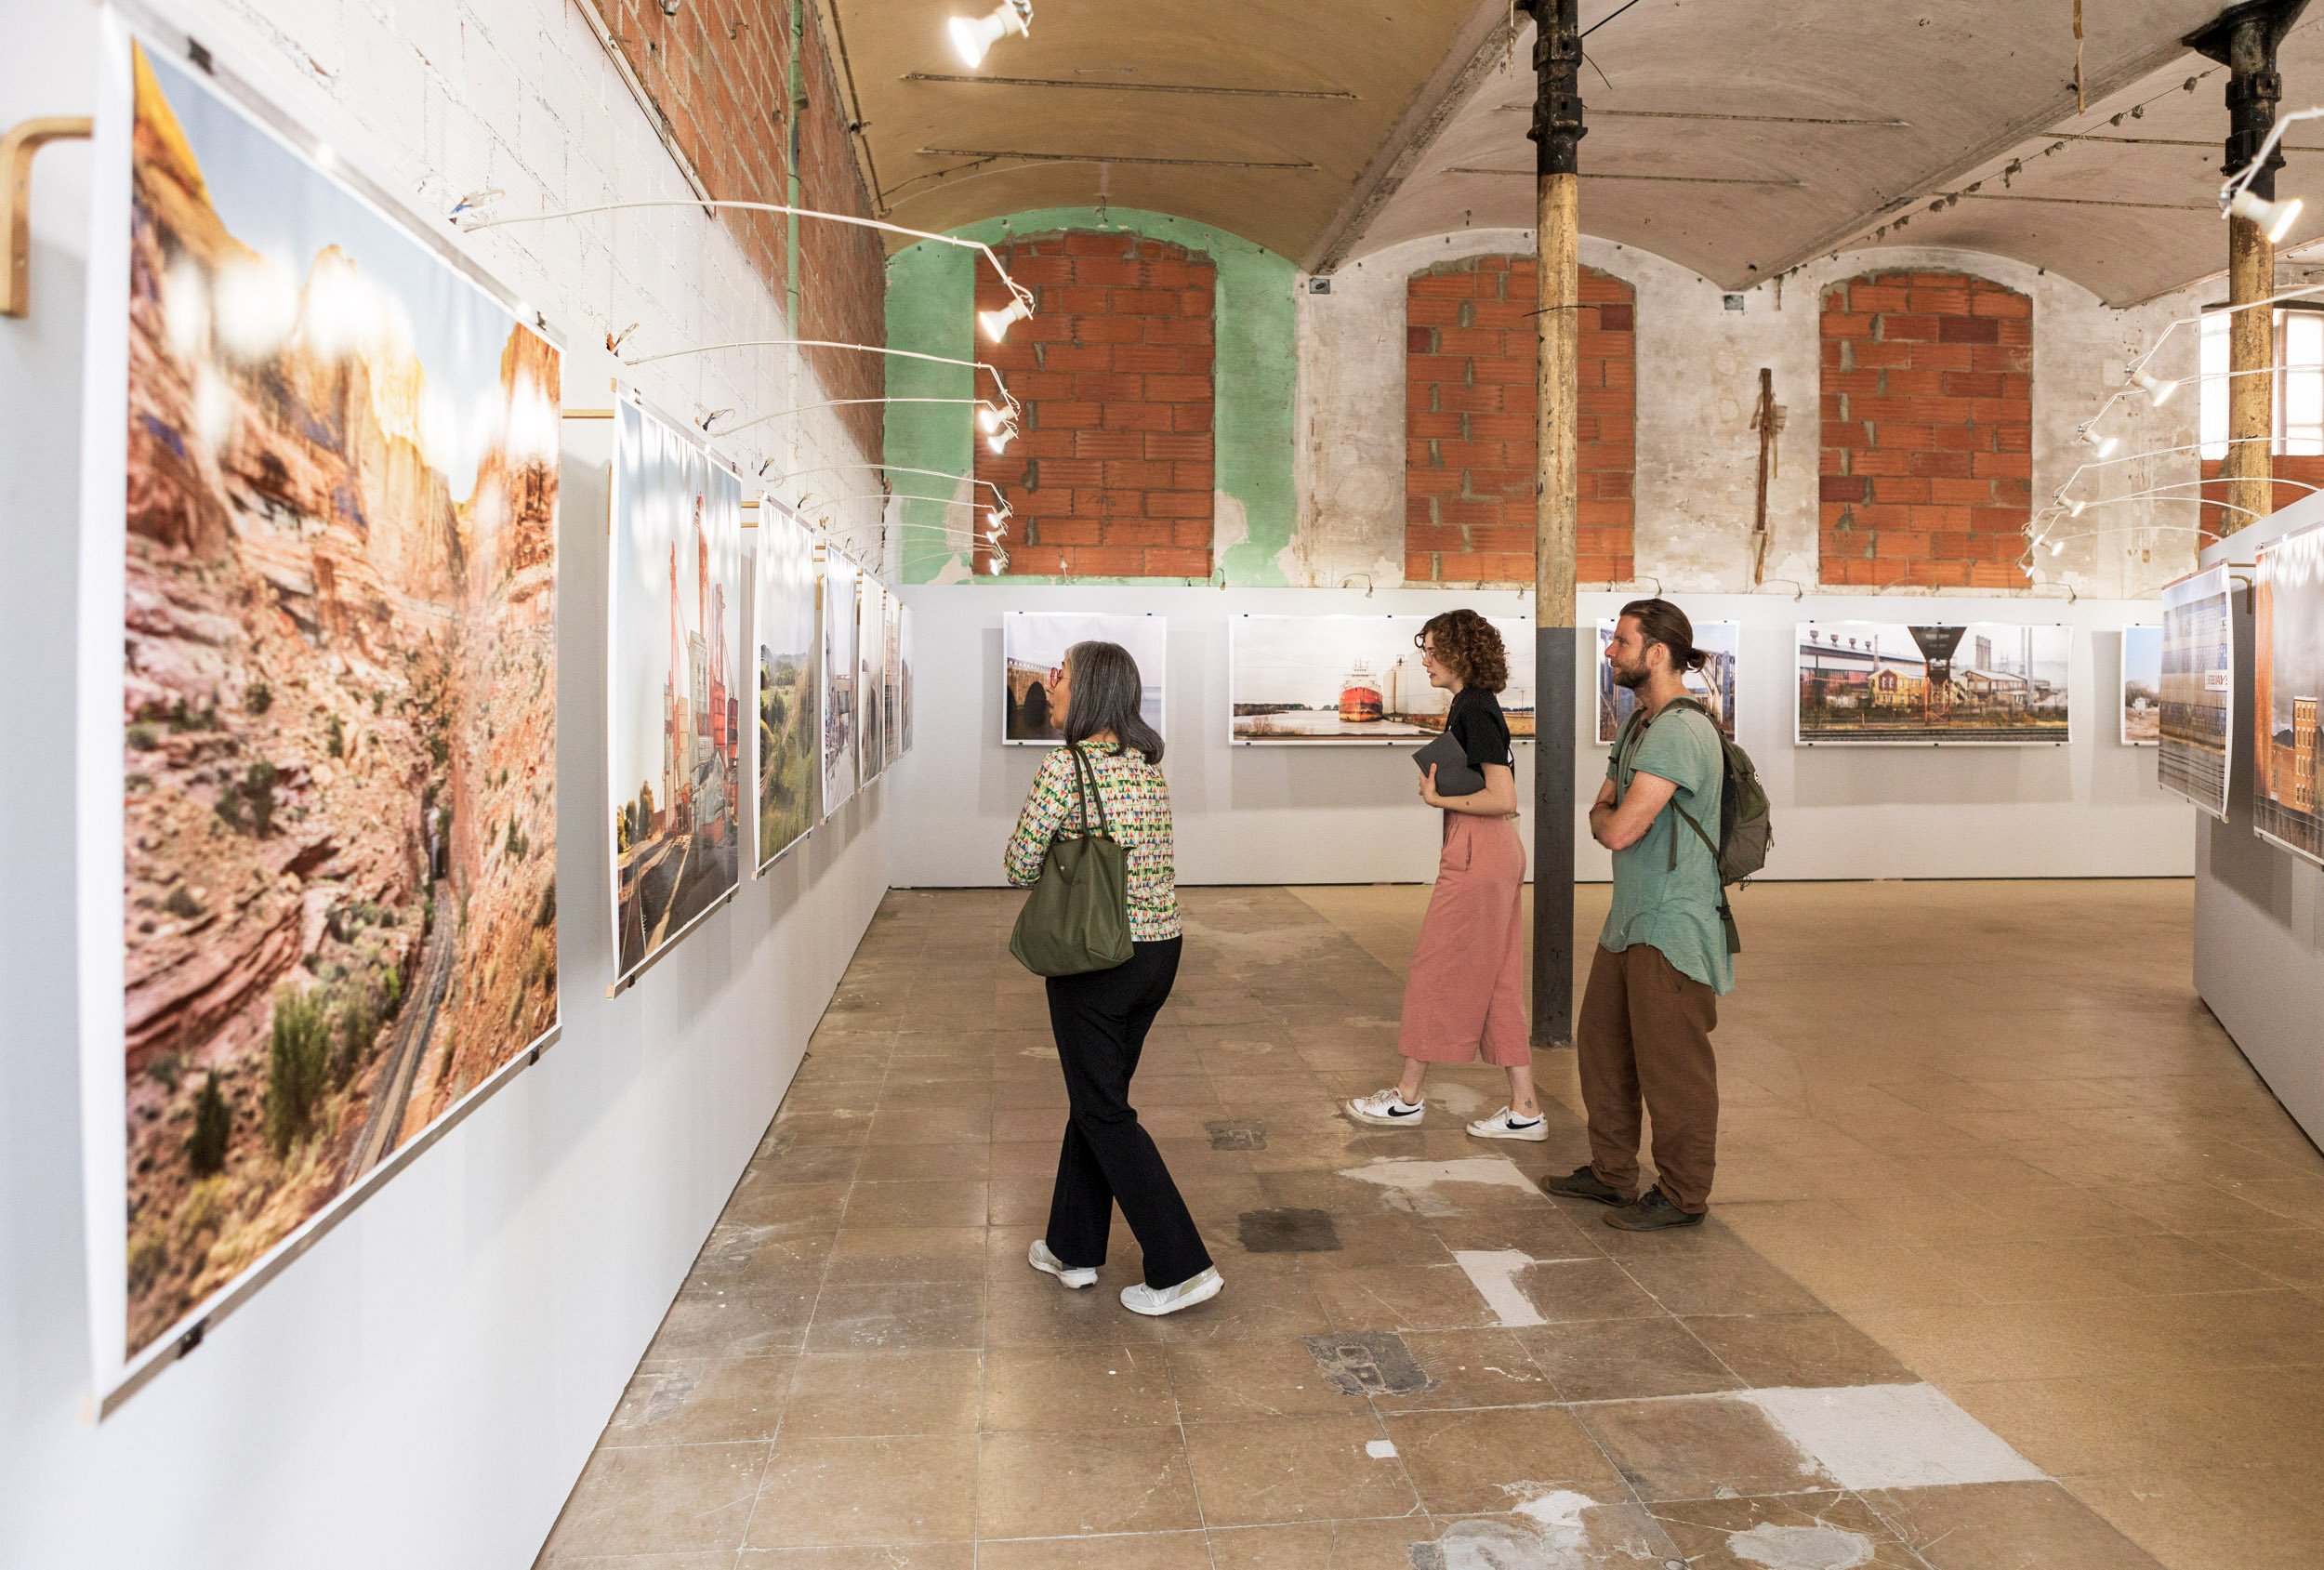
(1113, 476)
(1927, 464)
(1469, 423)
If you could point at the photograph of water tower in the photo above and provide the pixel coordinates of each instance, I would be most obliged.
(1340, 680)
(1714, 684)
(1032, 645)
(2287, 686)
(1885, 684)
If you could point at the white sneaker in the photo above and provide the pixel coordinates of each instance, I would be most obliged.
(1143, 1299)
(1507, 1125)
(1388, 1108)
(1040, 1259)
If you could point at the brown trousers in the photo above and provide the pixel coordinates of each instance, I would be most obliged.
(1646, 1026)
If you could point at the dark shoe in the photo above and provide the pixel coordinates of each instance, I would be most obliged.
(1652, 1212)
(1583, 1182)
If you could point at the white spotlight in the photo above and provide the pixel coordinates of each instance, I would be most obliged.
(971, 36)
(2107, 447)
(998, 323)
(2275, 217)
(2157, 386)
(999, 441)
(988, 419)
(2074, 508)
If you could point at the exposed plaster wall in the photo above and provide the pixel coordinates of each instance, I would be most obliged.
(1698, 382)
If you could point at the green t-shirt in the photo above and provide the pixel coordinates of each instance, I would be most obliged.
(1676, 911)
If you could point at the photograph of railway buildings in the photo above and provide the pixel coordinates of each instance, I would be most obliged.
(1987, 683)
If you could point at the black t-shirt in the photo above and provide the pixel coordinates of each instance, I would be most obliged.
(1476, 723)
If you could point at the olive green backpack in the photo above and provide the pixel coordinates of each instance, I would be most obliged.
(1745, 827)
(1077, 919)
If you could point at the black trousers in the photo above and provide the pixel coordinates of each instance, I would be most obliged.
(1101, 1020)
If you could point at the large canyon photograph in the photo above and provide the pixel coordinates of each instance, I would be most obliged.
(339, 694)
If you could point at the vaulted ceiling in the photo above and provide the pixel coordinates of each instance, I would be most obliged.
(1737, 138)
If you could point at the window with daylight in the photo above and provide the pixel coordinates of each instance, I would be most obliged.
(2299, 361)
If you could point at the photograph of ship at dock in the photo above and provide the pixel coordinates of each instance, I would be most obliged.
(1341, 679)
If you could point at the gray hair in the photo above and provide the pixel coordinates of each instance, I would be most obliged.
(1105, 695)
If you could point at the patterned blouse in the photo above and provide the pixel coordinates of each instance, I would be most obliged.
(1137, 813)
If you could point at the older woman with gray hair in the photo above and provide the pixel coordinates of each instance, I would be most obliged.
(1100, 1018)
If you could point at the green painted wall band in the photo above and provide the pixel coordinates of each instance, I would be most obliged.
(932, 292)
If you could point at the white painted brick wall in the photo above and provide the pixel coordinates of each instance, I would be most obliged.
(436, 99)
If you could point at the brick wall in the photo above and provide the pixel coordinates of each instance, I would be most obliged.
(1469, 423)
(1112, 475)
(2295, 473)
(1927, 470)
(719, 72)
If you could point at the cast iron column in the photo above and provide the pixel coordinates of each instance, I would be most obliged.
(1557, 131)
(2244, 39)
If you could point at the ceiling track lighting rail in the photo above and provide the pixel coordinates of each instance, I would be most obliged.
(1597, 114)
(1665, 179)
(1331, 94)
(1111, 158)
(471, 219)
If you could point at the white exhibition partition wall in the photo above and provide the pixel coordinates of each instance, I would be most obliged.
(424, 1385)
(2258, 909)
(1349, 815)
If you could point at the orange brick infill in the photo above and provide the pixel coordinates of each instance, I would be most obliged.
(1114, 474)
(1470, 472)
(1926, 469)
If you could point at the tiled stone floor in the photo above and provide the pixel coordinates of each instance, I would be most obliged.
(1996, 1200)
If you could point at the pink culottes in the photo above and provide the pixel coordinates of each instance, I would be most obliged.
(1465, 998)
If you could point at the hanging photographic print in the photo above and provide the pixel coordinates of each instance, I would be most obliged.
(891, 667)
(838, 614)
(1714, 684)
(2142, 686)
(871, 674)
(903, 687)
(319, 663)
(2197, 689)
(789, 730)
(2287, 685)
(1885, 684)
(1032, 645)
(1336, 680)
(673, 682)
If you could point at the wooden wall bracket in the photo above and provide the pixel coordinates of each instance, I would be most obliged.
(16, 201)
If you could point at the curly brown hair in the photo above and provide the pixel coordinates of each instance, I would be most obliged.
(1471, 645)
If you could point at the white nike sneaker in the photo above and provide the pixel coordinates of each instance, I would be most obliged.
(1388, 1108)
(1040, 1259)
(1506, 1125)
(1155, 1301)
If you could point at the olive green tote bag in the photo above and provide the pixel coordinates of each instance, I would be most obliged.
(1077, 919)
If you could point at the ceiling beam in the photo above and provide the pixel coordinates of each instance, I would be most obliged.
(1478, 47)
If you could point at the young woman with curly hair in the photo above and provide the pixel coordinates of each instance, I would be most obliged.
(1465, 996)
